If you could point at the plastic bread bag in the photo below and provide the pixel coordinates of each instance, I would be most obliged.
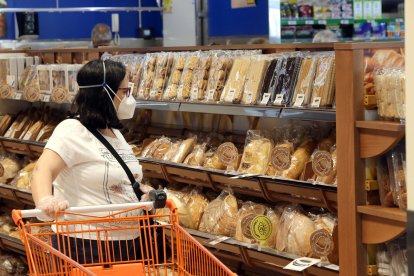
(186, 146)
(30, 84)
(184, 216)
(399, 257)
(135, 73)
(399, 93)
(287, 76)
(220, 215)
(383, 259)
(158, 148)
(256, 153)
(9, 167)
(323, 88)
(5, 123)
(184, 87)
(196, 204)
(217, 76)
(397, 168)
(148, 75)
(304, 84)
(174, 80)
(294, 232)
(232, 92)
(254, 79)
(384, 183)
(22, 180)
(200, 77)
(322, 239)
(389, 90)
(162, 71)
(324, 165)
(271, 79)
(212, 160)
(197, 156)
(172, 151)
(229, 156)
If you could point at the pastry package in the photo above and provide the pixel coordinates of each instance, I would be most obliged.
(254, 79)
(197, 156)
(22, 180)
(148, 75)
(133, 64)
(270, 80)
(229, 156)
(19, 125)
(324, 239)
(174, 80)
(286, 79)
(397, 169)
(60, 91)
(9, 167)
(200, 77)
(304, 84)
(162, 71)
(45, 81)
(294, 232)
(324, 165)
(184, 88)
(13, 264)
(8, 79)
(30, 84)
(5, 123)
(220, 215)
(384, 183)
(390, 89)
(186, 146)
(233, 89)
(72, 73)
(323, 88)
(217, 76)
(256, 154)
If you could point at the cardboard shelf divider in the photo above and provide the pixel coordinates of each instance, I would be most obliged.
(273, 190)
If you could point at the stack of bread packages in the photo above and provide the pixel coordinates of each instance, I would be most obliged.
(390, 91)
(200, 77)
(220, 67)
(147, 77)
(256, 153)
(293, 149)
(162, 71)
(174, 80)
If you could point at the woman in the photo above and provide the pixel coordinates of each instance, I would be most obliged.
(76, 169)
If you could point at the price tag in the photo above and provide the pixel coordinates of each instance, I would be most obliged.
(17, 96)
(218, 240)
(301, 264)
(131, 86)
(230, 95)
(210, 95)
(399, 20)
(279, 99)
(153, 93)
(345, 22)
(309, 22)
(46, 98)
(316, 102)
(322, 22)
(249, 97)
(194, 94)
(10, 79)
(265, 99)
(299, 100)
(292, 22)
(180, 92)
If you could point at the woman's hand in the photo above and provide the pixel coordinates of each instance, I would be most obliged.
(50, 205)
(146, 190)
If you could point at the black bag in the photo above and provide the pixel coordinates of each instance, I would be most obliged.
(158, 197)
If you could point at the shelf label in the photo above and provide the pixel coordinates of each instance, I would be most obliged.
(210, 95)
(218, 240)
(194, 94)
(131, 86)
(153, 93)
(299, 100)
(279, 99)
(17, 96)
(316, 102)
(292, 22)
(249, 97)
(309, 22)
(322, 22)
(230, 95)
(11, 80)
(46, 98)
(322, 163)
(301, 264)
(344, 22)
(180, 92)
(265, 99)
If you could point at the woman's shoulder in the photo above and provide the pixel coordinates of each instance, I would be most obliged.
(72, 126)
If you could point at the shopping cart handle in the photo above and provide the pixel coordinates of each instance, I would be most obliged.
(159, 197)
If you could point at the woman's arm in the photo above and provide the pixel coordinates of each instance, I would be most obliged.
(47, 168)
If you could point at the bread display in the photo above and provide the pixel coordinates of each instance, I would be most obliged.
(254, 80)
(200, 77)
(304, 84)
(170, 92)
(162, 71)
(220, 215)
(256, 154)
(233, 90)
(148, 75)
(324, 84)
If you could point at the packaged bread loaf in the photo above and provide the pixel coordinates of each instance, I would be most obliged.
(397, 168)
(174, 80)
(5, 123)
(33, 131)
(384, 183)
(184, 216)
(30, 85)
(254, 79)
(269, 81)
(294, 232)
(220, 215)
(233, 90)
(172, 151)
(197, 156)
(323, 240)
(229, 155)
(22, 180)
(324, 84)
(196, 204)
(184, 88)
(212, 160)
(256, 154)
(148, 75)
(9, 167)
(185, 148)
(217, 76)
(324, 164)
(286, 80)
(157, 149)
(162, 71)
(200, 77)
(304, 84)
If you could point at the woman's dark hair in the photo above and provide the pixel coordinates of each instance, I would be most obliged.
(93, 105)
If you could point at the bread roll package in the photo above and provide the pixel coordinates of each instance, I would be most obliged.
(197, 156)
(397, 168)
(9, 167)
(184, 87)
(220, 67)
(256, 154)
(254, 79)
(304, 84)
(294, 232)
(148, 75)
(384, 183)
(220, 215)
(233, 90)
(162, 71)
(22, 180)
(157, 148)
(200, 77)
(324, 83)
(286, 82)
(174, 80)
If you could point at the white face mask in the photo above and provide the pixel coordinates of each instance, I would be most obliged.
(126, 106)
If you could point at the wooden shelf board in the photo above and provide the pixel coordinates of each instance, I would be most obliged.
(394, 214)
(381, 125)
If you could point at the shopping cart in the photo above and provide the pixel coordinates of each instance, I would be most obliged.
(93, 244)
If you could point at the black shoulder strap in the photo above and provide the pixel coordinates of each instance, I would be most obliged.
(131, 177)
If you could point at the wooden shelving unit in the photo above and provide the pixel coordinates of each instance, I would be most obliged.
(31, 148)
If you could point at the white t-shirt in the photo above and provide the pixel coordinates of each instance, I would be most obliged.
(92, 176)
